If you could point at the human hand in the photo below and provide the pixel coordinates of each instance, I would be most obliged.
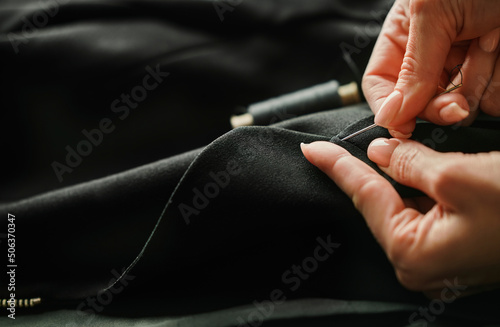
(420, 43)
(452, 233)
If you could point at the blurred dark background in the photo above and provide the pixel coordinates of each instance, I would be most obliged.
(64, 63)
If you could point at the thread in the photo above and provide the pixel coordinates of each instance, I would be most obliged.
(319, 97)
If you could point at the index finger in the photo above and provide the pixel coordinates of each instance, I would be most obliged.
(373, 196)
(430, 35)
(383, 69)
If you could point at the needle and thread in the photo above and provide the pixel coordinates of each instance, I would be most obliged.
(359, 132)
(454, 87)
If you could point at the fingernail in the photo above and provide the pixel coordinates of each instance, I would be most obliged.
(380, 151)
(303, 147)
(488, 45)
(453, 113)
(399, 135)
(489, 42)
(389, 109)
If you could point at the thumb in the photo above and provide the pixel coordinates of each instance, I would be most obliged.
(413, 164)
(430, 37)
(455, 180)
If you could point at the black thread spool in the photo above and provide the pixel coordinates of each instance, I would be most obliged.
(320, 97)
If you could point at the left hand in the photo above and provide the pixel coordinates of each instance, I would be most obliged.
(452, 233)
(419, 44)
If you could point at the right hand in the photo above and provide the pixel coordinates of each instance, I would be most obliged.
(420, 43)
(450, 234)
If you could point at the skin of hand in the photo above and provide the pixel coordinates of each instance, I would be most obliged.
(452, 233)
(421, 41)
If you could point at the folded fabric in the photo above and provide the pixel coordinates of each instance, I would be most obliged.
(246, 231)
(247, 214)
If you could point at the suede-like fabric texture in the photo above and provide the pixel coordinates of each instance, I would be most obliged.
(237, 220)
(234, 248)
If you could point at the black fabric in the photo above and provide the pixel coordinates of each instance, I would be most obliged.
(235, 250)
(66, 74)
(478, 138)
(208, 262)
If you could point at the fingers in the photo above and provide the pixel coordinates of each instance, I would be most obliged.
(449, 240)
(426, 51)
(436, 174)
(477, 70)
(382, 71)
(395, 226)
(405, 130)
(489, 41)
(408, 162)
(398, 94)
(457, 182)
(490, 100)
(373, 196)
(477, 91)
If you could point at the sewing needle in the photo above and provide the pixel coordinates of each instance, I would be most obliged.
(455, 86)
(359, 132)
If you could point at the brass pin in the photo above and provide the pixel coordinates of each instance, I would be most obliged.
(20, 303)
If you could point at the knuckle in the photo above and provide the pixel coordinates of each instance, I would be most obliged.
(367, 186)
(413, 271)
(410, 272)
(418, 6)
(402, 239)
(409, 65)
(445, 176)
(400, 249)
(410, 276)
(430, 9)
(402, 164)
(367, 82)
(412, 70)
(405, 252)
